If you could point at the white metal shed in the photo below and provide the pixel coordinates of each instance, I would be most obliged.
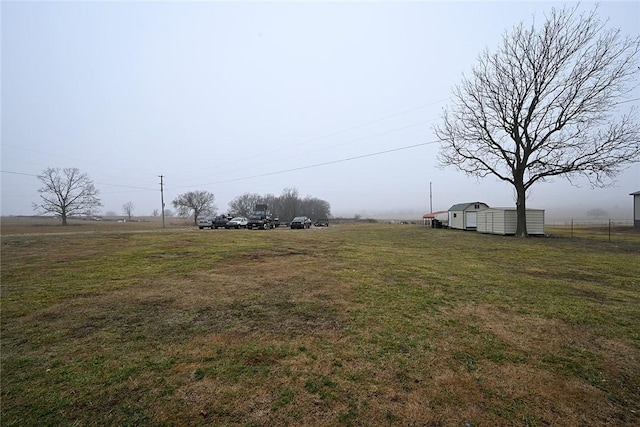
(463, 216)
(504, 221)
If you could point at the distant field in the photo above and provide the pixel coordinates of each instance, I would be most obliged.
(354, 324)
(24, 225)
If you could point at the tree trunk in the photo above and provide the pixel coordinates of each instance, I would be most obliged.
(521, 210)
(64, 218)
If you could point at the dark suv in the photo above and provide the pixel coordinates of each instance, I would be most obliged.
(220, 221)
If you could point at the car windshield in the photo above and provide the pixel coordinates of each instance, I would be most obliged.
(299, 219)
(237, 219)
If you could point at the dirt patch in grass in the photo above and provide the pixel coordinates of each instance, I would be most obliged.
(594, 295)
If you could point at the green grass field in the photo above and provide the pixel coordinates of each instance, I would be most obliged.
(355, 324)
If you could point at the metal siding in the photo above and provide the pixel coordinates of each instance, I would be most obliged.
(458, 221)
(510, 221)
(499, 222)
(535, 222)
(471, 219)
(484, 222)
(505, 221)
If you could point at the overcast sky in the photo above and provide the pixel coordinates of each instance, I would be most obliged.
(335, 99)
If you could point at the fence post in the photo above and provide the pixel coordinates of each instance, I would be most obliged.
(609, 230)
(571, 234)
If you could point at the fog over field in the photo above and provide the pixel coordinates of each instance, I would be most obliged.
(335, 99)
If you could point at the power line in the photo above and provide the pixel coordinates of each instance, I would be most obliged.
(314, 165)
(331, 162)
(628, 100)
(99, 183)
(338, 132)
(338, 144)
(19, 173)
(126, 186)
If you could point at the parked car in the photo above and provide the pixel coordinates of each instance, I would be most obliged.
(300, 222)
(220, 221)
(237, 222)
(206, 222)
(321, 223)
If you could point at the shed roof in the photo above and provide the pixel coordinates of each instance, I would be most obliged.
(511, 208)
(433, 214)
(463, 206)
(637, 193)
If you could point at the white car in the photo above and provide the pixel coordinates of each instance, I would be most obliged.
(237, 222)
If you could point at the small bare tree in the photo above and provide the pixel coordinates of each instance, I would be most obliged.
(547, 103)
(196, 203)
(127, 209)
(66, 192)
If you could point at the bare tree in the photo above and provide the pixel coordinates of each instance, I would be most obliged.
(196, 203)
(288, 204)
(547, 103)
(315, 208)
(66, 192)
(243, 204)
(128, 208)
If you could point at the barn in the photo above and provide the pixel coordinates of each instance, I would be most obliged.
(504, 221)
(636, 209)
(463, 216)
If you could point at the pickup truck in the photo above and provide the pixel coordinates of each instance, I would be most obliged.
(261, 218)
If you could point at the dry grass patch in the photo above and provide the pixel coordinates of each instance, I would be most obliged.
(547, 363)
(351, 325)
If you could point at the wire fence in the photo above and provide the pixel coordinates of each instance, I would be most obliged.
(611, 230)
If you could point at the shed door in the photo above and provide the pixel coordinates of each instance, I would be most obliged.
(472, 219)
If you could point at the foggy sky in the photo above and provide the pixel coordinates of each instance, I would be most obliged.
(336, 99)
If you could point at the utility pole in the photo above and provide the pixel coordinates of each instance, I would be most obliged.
(430, 199)
(162, 198)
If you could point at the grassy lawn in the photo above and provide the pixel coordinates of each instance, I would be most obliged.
(359, 324)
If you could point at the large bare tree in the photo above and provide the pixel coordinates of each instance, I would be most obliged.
(66, 192)
(550, 101)
(196, 202)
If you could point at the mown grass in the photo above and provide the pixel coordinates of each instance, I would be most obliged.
(351, 325)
